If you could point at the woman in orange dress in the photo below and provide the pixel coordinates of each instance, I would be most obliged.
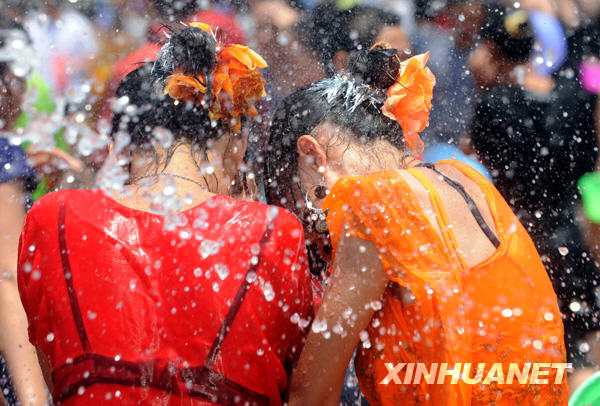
(429, 264)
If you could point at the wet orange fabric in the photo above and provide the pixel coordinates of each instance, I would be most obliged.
(502, 310)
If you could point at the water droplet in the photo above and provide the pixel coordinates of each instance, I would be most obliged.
(575, 306)
(163, 136)
(319, 326)
(251, 277)
(169, 190)
(91, 315)
(272, 213)
(268, 291)
(50, 337)
(563, 251)
(549, 316)
(507, 312)
(222, 271)
(584, 347)
(208, 248)
(201, 224)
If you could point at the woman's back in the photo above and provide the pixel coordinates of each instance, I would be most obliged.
(469, 272)
(127, 305)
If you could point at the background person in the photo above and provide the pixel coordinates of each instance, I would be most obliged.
(531, 132)
(20, 377)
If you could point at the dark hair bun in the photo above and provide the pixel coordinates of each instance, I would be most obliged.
(189, 49)
(194, 50)
(377, 67)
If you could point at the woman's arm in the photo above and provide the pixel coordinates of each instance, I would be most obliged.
(357, 283)
(19, 354)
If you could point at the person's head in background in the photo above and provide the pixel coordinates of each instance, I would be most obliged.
(503, 54)
(364, 27)
(463, 18)
(466, 17)
(15, 64)
(170, 11)
(302, 48)
(294, 43)
(162, 109)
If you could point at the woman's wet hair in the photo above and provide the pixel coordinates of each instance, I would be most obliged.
(141, 105)
(352, 102)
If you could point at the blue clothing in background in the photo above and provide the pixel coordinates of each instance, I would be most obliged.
(13, 163)
(549, 33)
(439, 152)
(453, 97)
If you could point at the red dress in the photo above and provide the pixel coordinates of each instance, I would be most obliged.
(130, 310)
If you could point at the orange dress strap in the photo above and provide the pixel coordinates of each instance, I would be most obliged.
(497, 205)
(441, 217)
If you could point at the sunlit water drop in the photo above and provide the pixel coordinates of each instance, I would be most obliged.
(268, 291)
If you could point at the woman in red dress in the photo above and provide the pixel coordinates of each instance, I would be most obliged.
(169, 292)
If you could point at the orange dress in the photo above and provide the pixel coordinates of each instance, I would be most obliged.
(502, 310)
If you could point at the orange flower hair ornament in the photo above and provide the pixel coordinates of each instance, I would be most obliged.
(409, 100)
(235, 87)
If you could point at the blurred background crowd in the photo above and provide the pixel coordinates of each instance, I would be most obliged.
(516, 98)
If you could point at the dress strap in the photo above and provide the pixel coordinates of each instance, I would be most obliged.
(239, 298)
(66, 265)
(441, 216)
(485, 228)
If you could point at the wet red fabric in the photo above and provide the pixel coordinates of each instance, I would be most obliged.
(152, 297)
